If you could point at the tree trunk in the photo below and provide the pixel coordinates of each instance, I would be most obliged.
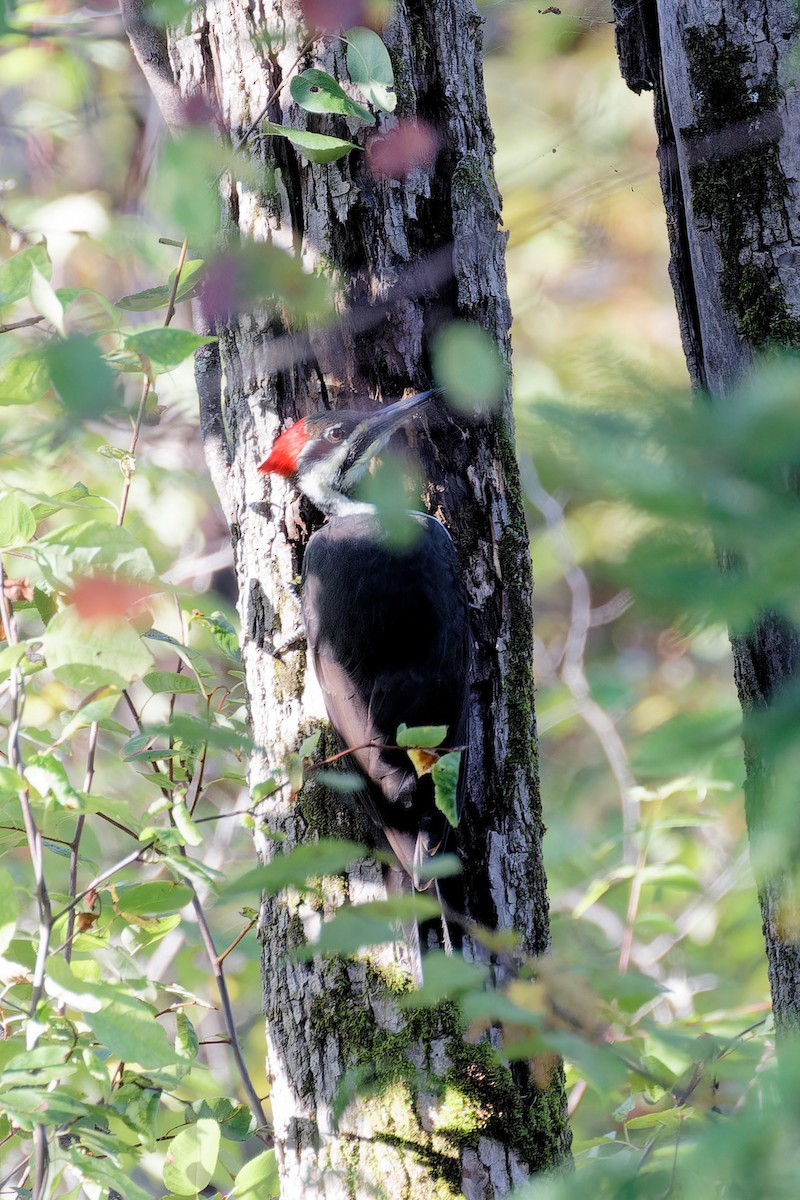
(442, 1116)
(727, 111)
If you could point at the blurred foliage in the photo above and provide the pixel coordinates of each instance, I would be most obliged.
(656, 993)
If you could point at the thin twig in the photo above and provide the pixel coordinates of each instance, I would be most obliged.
(74, 856)
(129, 467)
(23, 324)
(238, 939)
(215, 962)
(137, 425)
(271, 98)
(41, 1156)
(102, 877)
(20, 1166)
(573, 673)
(175, 283)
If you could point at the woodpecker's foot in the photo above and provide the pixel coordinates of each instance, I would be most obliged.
(296, 642)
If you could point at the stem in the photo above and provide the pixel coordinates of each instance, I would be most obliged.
(215, 961)
(635, 896)
(74, 856)
(137, 425)
(238, 939)
(573, 673)
(35, 849)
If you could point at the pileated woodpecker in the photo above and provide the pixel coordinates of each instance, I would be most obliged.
(387, 624)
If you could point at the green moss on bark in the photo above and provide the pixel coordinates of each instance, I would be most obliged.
(328, 813)
(476, 1096)
(513, 550)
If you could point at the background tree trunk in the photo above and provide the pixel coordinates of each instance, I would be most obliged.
(727, 112)
(444, 1116)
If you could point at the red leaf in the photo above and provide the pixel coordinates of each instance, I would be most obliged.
(410, 145)
(103, 596)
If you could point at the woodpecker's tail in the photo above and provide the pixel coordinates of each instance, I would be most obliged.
(399, 884)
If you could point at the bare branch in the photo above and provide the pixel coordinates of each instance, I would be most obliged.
(215, 962)
(582, 618)
(35, 849)
(149, 46)
(23, 324)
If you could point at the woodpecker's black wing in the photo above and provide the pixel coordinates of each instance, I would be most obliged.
(388, 631)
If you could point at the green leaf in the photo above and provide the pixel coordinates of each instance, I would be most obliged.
(11, 783)
(45, 301)
(235, 1121)
(97, 706)
(183, 189)
(353, 927)
(222, 632)
(424, 737)
(158, 297)
(445, 785)
(93, 547)
(13, 656)
(672, 875)
(17, 522)
(317, 147)
(184, 823)
(191, 657)
(9, 910)
(23, 379)
(468, 367)
(445, 976)
(370, 67)
(192, 1158)
(64, 984)
(441, 867)
(29, 1106)
(130, 1031)
(153, 899)
(99, 1169)
(15, 273)
(328, 856)
(86, 655)
(318, 92)
(337, 781)
(49, 505)
(115, 452)
(164, 349)
(258, 1179)
(309, 744)
(85, 383)
(48, 775)
(171, 682)
(601, 1066)
(187, 1042)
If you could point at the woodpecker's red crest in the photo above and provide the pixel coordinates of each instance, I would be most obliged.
(282, 458)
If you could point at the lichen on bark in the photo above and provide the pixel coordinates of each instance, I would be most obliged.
(737, 182)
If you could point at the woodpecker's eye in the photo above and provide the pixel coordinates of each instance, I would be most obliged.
(335, 433)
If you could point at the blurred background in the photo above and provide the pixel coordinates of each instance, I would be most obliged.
(652, 897)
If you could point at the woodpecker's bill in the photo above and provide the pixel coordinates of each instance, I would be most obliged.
(387, 625)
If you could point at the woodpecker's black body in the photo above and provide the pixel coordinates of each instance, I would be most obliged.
(387, 623)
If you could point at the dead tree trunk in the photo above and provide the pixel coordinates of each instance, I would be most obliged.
(727, 110)
(441, 1117)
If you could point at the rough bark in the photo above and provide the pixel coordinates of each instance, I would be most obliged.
(727, 111)
(444, 1117)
